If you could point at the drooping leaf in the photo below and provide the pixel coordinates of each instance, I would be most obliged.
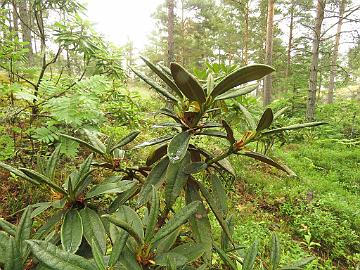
(153, 216)
(156, 155)
(237, 92)
(93, 228)
(275, 252)
(170, 113)
(128, 215)
(219, 193)
(269, 161)
(86, 144)
(250, 256)
(175, 222)
(116, 187)
(165, 244)
(200, 223)
(265, 120)
(71, 231)
(118, 247)
(162, 91)
(293, 127)
(43, 179)
(299, 264)
(18, 173)
(155, 178)
(126, 226)
(225, 257)
(175, 179)
(155, 141)
(40, 208)
(127, 139)
(215, 209)
(187, 83)
(241, 76)
(163, 76)
(178, 146)
(58, 259)
(98, 256)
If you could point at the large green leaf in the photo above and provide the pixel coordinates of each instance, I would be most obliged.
(86, 144)
(7, 227)
(153, 216)
(265, 120)
(200, 223)
(163, 76)
(299, 264)
(269, 161)
(155, 178)
(250, 256)
(155, 141)
(71, 231)
(127, 139)
(105, 188)
(156, 87)
(123, 197)
(58, 259)
(216, 209)
(125, 226)
(23, 231)
(13, 259)
(156, 155)
(48, 226)
(241, 76)
(275, 252)
(165, 244)
(293, 127)
(180, 218)
(187, 83)
(118, 247)
(18, 173)
(237, 92)
(98, 256)
(219, 193)
(225, 257)
(95, 141)
(178, 146)
(175, 179)
(43, 179)
(93, 228)
(4, 243)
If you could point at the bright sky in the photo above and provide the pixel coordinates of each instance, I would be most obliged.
(123, 20)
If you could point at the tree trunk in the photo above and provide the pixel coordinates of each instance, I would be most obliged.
(330, 97)
(25, 22)
(170, 29)
(311, 100)
(290, 41)
(246, 33)
(269, 51)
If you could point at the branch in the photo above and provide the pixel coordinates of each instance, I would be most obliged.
(19, 76)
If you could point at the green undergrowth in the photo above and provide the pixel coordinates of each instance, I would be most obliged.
(315, 213)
